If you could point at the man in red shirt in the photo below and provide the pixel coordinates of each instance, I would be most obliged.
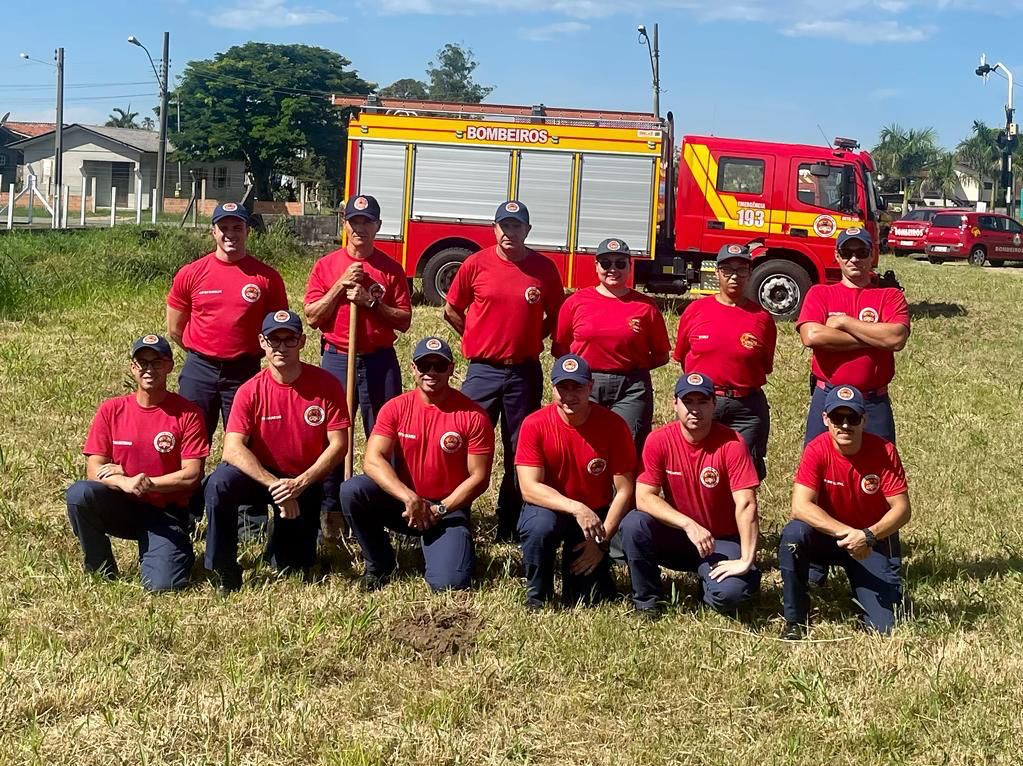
(287, 432)
(504, 301)
(576, 465)
(145, 459)
(706, 522)
(849, 502)
(428, 458)
(854, 330)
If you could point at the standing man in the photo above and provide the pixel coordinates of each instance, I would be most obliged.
(706, 522)
(854, 330)
(576, 465)
(428, 458)
(849, 502)
(287, 432)
(504, 301)
(731, 339)
(145, 459)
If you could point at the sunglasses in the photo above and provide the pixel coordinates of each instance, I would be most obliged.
(734, 271)
(148, 364)
(290, 342)
(846, 420)
(440, 365)
(859, 254)
(618, 263)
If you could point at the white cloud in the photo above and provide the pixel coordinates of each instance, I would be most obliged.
(855, 32)
(553, 31)
(273, 14)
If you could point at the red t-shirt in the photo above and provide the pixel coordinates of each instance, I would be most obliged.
(505, 304)
(865, 368)
(149, 440)
(732, 345)
(433, 443)
(612, 334)
(385, 280)
(287, 424)
(226, 304)
(698, 479)
(579, 462)
(853, 489)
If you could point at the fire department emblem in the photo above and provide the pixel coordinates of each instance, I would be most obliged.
(824, 226)
(735, 249)
(361, 203)
(709, 477)
(853, 231)
(230, 207)
(696, 379)
(596, 466)
(613, 245)
(532, 294)
(870, 483)
(451, 441)
(376, 291)
(314, 415)
(749, 340)
(636, 324)
(164, 442)
(845, 394)
(251, 293)
(868, 315)
(433, 344)
(570, 365)
(512, 207)
(150, 339)
(282, 316)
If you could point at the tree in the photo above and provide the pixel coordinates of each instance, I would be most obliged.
(407, 87)
(905, 154)
(980, 153)
(450, 76)
(269, 106)
(942, 179)
(148, 123)
(122, 118)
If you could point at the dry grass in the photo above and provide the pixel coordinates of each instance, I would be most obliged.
(283, 673)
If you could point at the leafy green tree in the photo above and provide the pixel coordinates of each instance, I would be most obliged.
(407, 87)
(148, 123)
(980, 153)
(905, 154)
(268, 105)
(122, 118)
(942, 179)
(450, 76)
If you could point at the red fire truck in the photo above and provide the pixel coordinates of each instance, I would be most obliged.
(439, 170)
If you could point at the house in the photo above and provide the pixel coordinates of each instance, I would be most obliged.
(122, 159)
(10, 158)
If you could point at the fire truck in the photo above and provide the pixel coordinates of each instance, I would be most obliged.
(440, 170)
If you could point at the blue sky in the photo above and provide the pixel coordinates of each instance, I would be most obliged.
(771, 69)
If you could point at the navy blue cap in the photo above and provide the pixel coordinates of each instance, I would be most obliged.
(432, 346)
(734, 252)
(571, 367)
(512, 209)
(845, 396)
(693, 382)
(157, 343)
(855, 232)
(363, 205)
(230, 210)
(282, 320)
(613, 246)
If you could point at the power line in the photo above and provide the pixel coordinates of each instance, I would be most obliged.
(76, 85)
(284, 90)
(79, 99)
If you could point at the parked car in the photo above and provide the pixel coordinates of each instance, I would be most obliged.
(978, 237)
(907, 235)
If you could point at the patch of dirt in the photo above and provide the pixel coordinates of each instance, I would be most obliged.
(437, 633)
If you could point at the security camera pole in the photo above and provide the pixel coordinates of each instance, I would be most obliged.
(655, 64)
(1006, 141)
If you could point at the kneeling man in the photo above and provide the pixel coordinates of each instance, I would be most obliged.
(849, 502)
(706, 522)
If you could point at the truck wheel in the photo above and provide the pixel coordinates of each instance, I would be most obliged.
(780, 286)
(977, 256)
(439, 272)
(997, 262)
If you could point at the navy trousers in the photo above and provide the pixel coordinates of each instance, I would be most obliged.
(377, 380)
(508, 394)
(97, 512)
(542, 531)
(876, 581)
(292, 542)
(447, 546)
(629, 395)
(750, 417)
(880, 419)
(649, 545)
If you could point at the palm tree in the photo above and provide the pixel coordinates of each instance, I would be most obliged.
(148, 123)
(905, 154)
(942, 179)
(122, 118)
(980, 153)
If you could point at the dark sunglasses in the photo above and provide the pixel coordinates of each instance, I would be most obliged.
(441, 365)
(846, 420)
(618, 263)
(857, 254)
(290, 342)
(148, 364)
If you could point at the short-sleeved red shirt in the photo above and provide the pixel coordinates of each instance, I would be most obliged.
(386, 282)
(853, 489)
(612, 334)
(580, 462)
(866, 368)
(698, 479)
(287, 424)
(505, 304)
(732, 345)
(432, 443)
(226, 304)
(149, 440)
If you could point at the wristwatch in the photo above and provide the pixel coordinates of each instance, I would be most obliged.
(440, 509)
(869, 537)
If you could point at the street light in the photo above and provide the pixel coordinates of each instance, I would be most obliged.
(655, 64)
(161, 79)
(58, 133)
(1008, 141)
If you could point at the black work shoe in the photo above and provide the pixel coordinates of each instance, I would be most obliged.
(230, 582)
(793, 631)
(370, 583)
(652, 614)
(535, 605)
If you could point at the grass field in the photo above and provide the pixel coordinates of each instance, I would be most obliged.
(286, 673)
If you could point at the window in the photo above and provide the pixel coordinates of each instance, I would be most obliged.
(835, 191)
(1012, 226)
(988, 223)
(220, 177)
(947, 221)
(740, 176)
(3, 160)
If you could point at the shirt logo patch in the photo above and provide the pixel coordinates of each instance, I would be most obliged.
(251, 293)
(709, 477)
(870, 483)
(596, 466)
(150, 339)
(377, 291)
(695, 379)
(314, 415)
(532, 294)
(164, 442)
(749, 340)
(868, 315)
(636, 325)
(845, 394)
(451, 441)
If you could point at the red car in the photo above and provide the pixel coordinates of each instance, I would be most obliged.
(978, 237)
(907, 234)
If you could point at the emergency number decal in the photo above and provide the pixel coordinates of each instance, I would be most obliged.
(751, 218)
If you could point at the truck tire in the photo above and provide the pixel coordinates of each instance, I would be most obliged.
(997, 262)
(439, 271)
(978, 256)
(780, 287)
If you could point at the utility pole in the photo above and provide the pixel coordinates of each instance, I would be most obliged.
(1007, 140)
(655, 64)
(161, 159)
(58, 142)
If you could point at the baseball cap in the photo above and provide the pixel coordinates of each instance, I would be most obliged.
(229, 210)
(855, 232)
(157, 343)
(613, 246)
(571, 367)
(432, 346)
(845, 396)
(282, 320)
(693, 382)
(363, 205)
(734, 252)
(512, 209)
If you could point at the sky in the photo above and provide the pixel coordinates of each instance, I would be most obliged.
(784, 70)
